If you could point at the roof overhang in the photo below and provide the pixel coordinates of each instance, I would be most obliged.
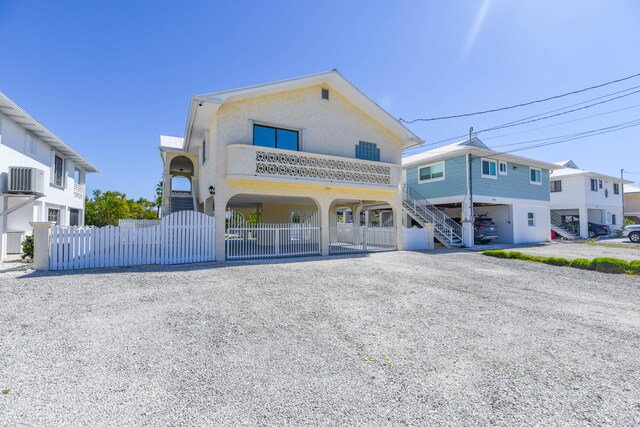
(203, 107)
(18, 115)
(580, 172)
(424, 158)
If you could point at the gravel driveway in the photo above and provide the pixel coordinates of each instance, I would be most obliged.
(451, 338)
(571, 250)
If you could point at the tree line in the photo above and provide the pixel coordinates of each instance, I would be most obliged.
(106, 208)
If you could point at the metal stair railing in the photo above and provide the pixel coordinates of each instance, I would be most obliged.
(570, 227)
(431, 214)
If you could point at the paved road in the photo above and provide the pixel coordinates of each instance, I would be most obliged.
(451, 338)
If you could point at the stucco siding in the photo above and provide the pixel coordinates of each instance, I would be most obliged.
(332, 127)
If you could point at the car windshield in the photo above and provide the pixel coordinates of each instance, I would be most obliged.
(485, 221)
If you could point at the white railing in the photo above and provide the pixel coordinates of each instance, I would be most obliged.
(350, 238)
(431, 214)
(270, 240)
(183, 237)
(249, 161)
(78, 191)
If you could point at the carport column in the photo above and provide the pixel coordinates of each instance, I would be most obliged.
(41, 233)
(326, 214)
(4, 201)
(467, 225)
(397, 222)
(220, 204)
(583, 213)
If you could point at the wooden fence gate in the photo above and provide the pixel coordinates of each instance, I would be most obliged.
(179, 238)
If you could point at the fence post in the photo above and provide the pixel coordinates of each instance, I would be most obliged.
(41, 233)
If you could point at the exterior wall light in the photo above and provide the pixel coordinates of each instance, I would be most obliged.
(212, 190)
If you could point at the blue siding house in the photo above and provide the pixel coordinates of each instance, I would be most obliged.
(467, 180)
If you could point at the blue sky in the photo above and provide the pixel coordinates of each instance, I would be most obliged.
(108, 77)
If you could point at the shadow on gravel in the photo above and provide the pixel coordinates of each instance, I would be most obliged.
(156, 268)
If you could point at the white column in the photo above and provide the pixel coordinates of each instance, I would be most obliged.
(467, 225)
(220, 206)
(325, 212)
(41, 233)
(584, 222)
(3, 228)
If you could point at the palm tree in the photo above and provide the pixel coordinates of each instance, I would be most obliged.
(159, 191)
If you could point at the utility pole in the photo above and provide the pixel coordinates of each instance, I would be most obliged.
(622, 191)
(471, 177)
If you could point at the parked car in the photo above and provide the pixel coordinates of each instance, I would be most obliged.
(598, 230)
(633, 233)
(485, 230)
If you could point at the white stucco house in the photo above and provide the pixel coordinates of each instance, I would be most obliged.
(41, 177)
(580, 197)
(311, 163)
(467, 180)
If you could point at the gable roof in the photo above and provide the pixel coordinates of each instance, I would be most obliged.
(567, 164)
(18, 115)
(571, 169)
(331, 78)
(475, 147)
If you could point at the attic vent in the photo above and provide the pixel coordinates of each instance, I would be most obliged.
(325, 94)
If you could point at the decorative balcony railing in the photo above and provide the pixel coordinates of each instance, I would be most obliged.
(78, 191)
(249, 160)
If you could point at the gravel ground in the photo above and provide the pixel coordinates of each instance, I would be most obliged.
(451, 338)
(571, 250)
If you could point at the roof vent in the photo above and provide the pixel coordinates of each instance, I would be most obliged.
(325, 94)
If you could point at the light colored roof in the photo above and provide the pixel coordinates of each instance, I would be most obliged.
(171, 142)
(331, 78)
(475, 147)
(631, 189)
(18, 115)
(567, 164)
(574, 171)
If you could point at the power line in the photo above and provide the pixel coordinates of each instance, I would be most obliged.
(526, 119)
(522, 104)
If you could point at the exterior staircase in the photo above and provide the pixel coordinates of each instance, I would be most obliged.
(182, 201)
(568, 230)
(446, 230)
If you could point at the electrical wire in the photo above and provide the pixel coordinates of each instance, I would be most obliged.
(521, 104)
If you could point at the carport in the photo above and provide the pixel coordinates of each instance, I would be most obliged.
(501, 214)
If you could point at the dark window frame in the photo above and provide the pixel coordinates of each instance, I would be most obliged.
(594, 184)
(57, 215)
(555, 186)
(276, 128)
(616, 188)
(58, 178)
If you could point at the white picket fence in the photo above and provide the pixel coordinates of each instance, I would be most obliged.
(350, 238)
(182, 237)
(138, 223)
(270, 240)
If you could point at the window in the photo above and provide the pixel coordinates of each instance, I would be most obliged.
(58, 171)
(367, 151)
(325, 94)
(502, 168)
(600, 184)
(613, 219)
(431, 173)
(53, 215)
(531, 219)
(594, 185)
(489, 169)
(556, 186)
(267, 136)
(74, 217)
(616, 188)
(30, 145)
(535, 176)
(204, 150)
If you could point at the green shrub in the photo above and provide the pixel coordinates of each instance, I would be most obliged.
(634, 267)
(496, 253)
(581, 263)
(27, 247)
(525, 257)
(610, 265)
(561, 262)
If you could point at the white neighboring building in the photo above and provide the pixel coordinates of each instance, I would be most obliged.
(41, 178)
(578, 194)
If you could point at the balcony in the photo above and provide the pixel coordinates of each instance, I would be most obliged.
(78, 191)
(251, 162)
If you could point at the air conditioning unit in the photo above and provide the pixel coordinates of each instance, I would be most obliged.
(26, 180)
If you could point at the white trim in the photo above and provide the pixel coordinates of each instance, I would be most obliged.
(482, 174)
(425, 181)
(506, 167)
(535, 182)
